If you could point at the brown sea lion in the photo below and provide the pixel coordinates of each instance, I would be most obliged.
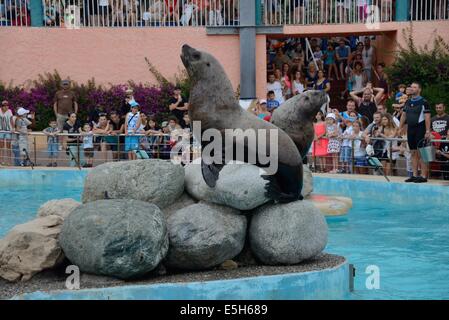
(296, 115)
(212, 102)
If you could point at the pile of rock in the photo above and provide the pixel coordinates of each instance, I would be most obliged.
(140, 214)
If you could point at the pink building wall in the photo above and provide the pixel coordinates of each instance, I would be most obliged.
(115, 55)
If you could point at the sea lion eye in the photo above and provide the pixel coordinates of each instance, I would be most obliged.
(208, 64)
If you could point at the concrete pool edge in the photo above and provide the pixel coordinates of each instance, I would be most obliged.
(326, 284)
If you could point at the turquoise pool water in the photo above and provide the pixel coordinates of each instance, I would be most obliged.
(402, 229)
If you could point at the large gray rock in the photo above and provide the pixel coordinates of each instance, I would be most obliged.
(153, 180)
(59, 207)
(183, 201)
(307, 182)
(239, 185)
(287, 233)
(30, 248)
(204, 235)
(118, 238)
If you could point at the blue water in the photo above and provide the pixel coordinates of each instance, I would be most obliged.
(402, 229)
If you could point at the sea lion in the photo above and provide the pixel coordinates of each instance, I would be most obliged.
(212, 102)
(296, 115)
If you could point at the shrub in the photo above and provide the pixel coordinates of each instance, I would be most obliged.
(429, 65)
(153, 99)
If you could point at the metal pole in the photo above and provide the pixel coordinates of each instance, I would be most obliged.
(35, 149)
(78, 152)
(352, 157)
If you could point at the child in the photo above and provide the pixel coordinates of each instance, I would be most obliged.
(188, 10)
(346, 147)
(21, 125)
(132, 124)
(329, 63)
(318, 55)
(215, 17)
(333, 133)
(52, 142)
(272, 103)
(359, 148)
(320, 141)
(400, 93)
(88, 145)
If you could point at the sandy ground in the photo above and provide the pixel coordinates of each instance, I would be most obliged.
(55, 279)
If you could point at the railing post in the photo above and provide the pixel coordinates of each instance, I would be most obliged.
(391, 157)
(118, 148)
(78, 152)
(36, 13)
(258, 12)
(352, 157)
(35, 150)
(402, 10)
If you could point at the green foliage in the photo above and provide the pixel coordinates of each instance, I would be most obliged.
(428, 65)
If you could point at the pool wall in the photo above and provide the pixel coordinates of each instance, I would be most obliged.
(332, 283)
(394, 192)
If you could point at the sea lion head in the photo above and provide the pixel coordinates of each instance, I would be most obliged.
(310, 102)
(199, 64)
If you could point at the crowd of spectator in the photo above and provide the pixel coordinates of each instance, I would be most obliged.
(342, 139)
(128, 133)
(109, 13)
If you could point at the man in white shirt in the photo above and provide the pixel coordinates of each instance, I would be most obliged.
(276, 87)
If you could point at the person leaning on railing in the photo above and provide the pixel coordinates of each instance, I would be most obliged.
(65, 102)
(74, 150)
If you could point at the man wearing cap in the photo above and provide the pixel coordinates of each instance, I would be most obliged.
(64, 103)
(178, 106)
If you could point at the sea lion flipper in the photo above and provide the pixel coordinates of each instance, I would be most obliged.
(285, 177)
(210, 173)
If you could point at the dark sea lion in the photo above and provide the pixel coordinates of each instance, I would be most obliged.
(212, 102)
(296, 115)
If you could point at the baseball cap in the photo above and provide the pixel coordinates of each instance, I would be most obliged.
(164, 124)
(65, 81)
(129, 91)
(133, 104)
(331, 115)
(22, 111)
(263, 101)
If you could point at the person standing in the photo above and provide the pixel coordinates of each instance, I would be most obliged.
(132, 125)
(74, 150)
(178, 105)
(369, 58)
(368, 103)
(65, 102)
(417, 116)
(275, 86)
(440, 122)
(6, 129)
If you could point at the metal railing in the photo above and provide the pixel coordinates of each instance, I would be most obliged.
(178, 146)
(123, 13)
(70, 149)
(308, 12)
(422, 10)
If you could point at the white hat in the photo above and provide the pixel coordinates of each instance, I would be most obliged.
(331, 115)
(263, 101)
(22, 111)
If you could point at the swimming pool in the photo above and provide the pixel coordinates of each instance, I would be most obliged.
(402, 229)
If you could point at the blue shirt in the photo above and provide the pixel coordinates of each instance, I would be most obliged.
(272, 104)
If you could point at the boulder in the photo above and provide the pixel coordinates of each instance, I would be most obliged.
(307, 182)
(152, 180)
(183, 201)
(287, 233)
(331, 205)
(30, 248)
(204, 235)
(59, 207)
(239, 185)
(117, 237)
